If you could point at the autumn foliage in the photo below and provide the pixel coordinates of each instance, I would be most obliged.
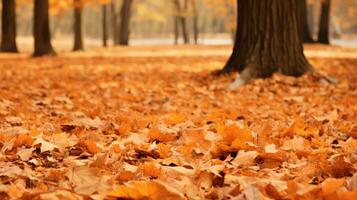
(163, 127)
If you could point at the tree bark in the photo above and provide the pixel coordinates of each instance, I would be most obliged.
(104, 23)
(186, 37)
(195, 21)
(41, 29)
(176, 30)
(304, 24)
(324, 22)
(114, 17)
(8, 28)
(125, 14)
(77, 26)
(267, 40)
(181, 12)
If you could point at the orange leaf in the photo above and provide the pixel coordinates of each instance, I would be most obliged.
(23, 140)
(116, 148)
(92, 147)
(174, 119)
(347, 195)
(125, 128)
(152, 170)
(353, 132)
(156, 134)
(126, 176)
(330, 186)
(146, 190)
(235, 136)
(164, 150)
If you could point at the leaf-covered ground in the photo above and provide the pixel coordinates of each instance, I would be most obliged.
(154, 123)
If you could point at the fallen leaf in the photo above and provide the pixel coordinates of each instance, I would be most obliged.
(154, 190)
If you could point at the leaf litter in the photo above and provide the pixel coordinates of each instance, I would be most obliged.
(164, 127)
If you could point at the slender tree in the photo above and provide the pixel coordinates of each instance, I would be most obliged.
(195, 21)
(304, 24)
(324, 22)
(267, 40)
(104, 23)
(176, 30)
(182, 20)
(41, 29)
(77, 26)
(114, 20)
(8, 28)
(125, 15)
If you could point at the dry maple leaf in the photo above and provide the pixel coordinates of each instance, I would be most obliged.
(156, 134)
(154, 190)
(92, 147)
(60, 195)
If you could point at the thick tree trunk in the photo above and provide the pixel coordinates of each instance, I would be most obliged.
(41, 29)
(8, 28)
(304, 24)
(267, 40)
(324, 22)
(104, 23)
(125, 14)
(77, 26)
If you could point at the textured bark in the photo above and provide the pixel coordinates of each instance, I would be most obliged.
(104, 24)
(41, 29)
(8, 28)
(125, 15)
(268, 40)
(304, 24)
(324, 22)
(77, 26)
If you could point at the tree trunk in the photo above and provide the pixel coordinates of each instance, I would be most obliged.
(77, 26)
(304, 24)
(195, 21)
(41, 29)
(176, 30)
(312, 17)
(267, 40)
(324, 22)
(186, 37)
(104, 23)
(8, 28)
(114, 23)
(125, 14)
(181, 12)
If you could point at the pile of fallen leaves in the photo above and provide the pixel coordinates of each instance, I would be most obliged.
(163, 127)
